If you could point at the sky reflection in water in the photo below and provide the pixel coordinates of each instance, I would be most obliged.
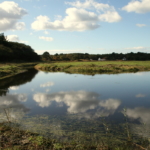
(83, 96)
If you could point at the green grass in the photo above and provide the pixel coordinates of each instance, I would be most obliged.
(11, 69)
(96, 66)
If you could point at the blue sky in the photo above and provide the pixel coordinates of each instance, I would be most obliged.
(78, 26)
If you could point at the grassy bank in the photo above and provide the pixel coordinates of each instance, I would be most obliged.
(96, 66)
(11, 69)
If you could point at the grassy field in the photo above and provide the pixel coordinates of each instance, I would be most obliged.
(96, 66)
(10, 69)
(92, 67)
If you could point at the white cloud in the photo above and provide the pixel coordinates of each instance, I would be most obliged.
(140, 95)
(46, 32)
(47, 84)
(91, 4)
(142, 6)
(79, 19)
(140, 25)
(10, 14)
(49, 39)
(15, 38)
(137, 48)
(110, 16)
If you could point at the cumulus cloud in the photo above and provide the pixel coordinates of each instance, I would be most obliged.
(142, 6)
(49, 39)
(15, 38)
(79, 102)
(10, 14)
(78, 18)
(110, 17)
(47, 84)
(140, 25)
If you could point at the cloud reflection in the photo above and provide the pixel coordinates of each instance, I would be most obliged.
(12, 104)
(14, 87)
(13, 101)
(79, 102)
(140, 95)
(140, 113)
(47, 84)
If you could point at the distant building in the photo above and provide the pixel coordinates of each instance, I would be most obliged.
(99, 59)
(124, 59)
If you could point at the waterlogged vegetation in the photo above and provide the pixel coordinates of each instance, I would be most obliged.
(72, 134)
(96, 66)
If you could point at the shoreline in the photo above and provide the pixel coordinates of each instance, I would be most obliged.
(105, 67)
(12, 69)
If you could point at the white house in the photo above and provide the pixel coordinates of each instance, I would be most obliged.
(124, 58)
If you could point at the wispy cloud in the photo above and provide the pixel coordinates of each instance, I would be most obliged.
(137, 48)
(140, 25)
(49, 39)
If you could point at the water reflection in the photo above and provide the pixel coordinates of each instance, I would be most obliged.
(79, 102)
(14, 87)
(14, 82)
(13, 102)
(48, 84)
(140, 113)
(140, 95)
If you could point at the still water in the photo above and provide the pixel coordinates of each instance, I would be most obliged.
(75, 102)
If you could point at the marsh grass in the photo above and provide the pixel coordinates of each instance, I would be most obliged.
(96, 67)
(11, 69)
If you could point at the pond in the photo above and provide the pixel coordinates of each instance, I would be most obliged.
(72, 106)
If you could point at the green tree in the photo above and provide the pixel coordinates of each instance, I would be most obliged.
(46, 56)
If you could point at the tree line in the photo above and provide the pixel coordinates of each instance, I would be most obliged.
(85, 56)
(14, 51)
(17, 52)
